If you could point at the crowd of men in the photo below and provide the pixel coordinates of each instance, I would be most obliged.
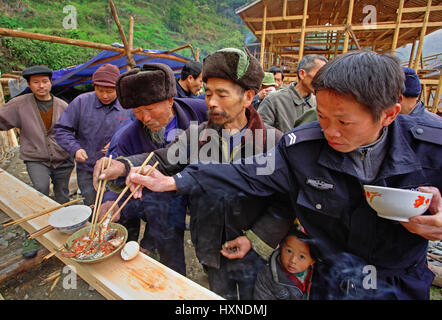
(249, 159)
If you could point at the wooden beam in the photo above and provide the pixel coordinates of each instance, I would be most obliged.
(348, 23)
(398, 23)
(420, 9)
(436, 99)
(422, 36)
(275, 19)
(141, 278)
(413, 47)
(304, 23)
(130, 60)
(263, 38)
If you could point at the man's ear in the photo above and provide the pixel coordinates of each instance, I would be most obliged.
(390, 114)
(170, 100)
(248, 97)
(301, 74)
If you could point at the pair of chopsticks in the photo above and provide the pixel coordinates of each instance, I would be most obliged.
(41, 213)
(118, 199)
(99, 198)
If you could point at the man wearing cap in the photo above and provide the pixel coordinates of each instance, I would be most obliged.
(160, 117)
(86, 127)
(35, 115)
(190, 83)
(233, 132)
(279, 76)
(268, 86)
(410, 103)
(282, 109)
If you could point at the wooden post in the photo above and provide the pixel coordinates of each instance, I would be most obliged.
(396, 31)
(349, 16)
(422, 36)
(304, 23)
(13, 142)
(263, 38)
(284, 10)
(130, 60)
(436, 99)
(413, 47)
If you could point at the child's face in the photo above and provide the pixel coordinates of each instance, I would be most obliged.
(295, 255)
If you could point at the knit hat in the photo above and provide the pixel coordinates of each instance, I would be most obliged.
(269, 79)
(36, 70)
(235, 65)
(155, 82)
(106, 75)
(412, 83)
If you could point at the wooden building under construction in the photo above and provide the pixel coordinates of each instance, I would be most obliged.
(289, 29)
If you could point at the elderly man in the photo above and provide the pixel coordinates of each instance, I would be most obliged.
(322, 167)
(282, 109)
(35, 115)
(410, 102)
(85, 129)
(190, 83)
(150, 93)
(234, 132)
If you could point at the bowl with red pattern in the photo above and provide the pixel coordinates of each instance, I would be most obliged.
(397, 204)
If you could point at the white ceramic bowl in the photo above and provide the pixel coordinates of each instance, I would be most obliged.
(397, 204)
(70, 219)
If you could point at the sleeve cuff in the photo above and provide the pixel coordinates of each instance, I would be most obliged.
(259, 246)
(184, 182)
(127, 163)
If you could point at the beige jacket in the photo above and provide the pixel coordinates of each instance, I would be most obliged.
(36, 144)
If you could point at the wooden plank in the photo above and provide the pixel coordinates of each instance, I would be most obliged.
(263, 39)
(141, 278)
(421, 9)
(275, 19)
(396, 31)
(304, 23)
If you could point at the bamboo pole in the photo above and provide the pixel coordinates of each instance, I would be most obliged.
(422, 36)
(304, 23)
(349, 18)
(263, 38)
(396, 31)
(130, 60)
(436, 100)
(413, 47)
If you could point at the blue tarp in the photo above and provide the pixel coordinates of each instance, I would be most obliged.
(68, 76)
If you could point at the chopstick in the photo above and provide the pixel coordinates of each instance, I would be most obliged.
(126, 188)
(100, 191)
(41, 213)
(135, 190)
(41, 231)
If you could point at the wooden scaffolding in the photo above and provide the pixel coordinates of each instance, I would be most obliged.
(289, 29)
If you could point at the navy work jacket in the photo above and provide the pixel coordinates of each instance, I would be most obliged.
(328, 199)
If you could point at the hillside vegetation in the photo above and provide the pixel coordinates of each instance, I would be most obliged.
(159, 24)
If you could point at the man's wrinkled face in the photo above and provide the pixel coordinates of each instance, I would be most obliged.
(278, 80)
(105, 94)
(155, 116)
(346, 123)
(224, 101)
(195, 85)
(295, 255)
(40, 86)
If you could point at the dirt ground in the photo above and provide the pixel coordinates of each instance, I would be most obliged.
(31, 285)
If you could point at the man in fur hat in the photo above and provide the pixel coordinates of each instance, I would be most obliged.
(159, 116)
(86, 127)
(233, 132)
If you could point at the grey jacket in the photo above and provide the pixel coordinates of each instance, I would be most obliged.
(272, 283)
(36, 144)
(282, 108)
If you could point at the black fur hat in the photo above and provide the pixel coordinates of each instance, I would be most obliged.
(236, 65)
(154, 82)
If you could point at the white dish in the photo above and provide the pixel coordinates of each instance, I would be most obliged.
(70, 219)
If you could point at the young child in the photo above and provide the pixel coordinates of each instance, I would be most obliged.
(289, 271)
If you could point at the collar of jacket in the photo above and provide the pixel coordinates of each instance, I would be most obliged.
(297, 99)
(114, 105)
(418, 110)
(400, 158)
(254, 122)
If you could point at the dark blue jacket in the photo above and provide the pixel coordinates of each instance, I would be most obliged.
(421, 112)
(348, 233)
(181, 93)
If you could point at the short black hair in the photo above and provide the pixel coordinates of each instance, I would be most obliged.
(294, 231)
(191, 68)
(374, 80)
(308, 62)
(275, 70)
